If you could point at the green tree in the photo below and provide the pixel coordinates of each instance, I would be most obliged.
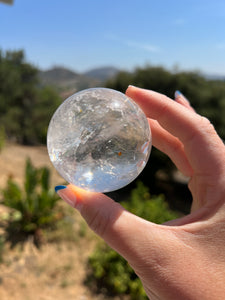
(25, 108)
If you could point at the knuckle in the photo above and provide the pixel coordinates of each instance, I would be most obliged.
(176, 147)
(98, 223)
(103, 219)
(206, 125)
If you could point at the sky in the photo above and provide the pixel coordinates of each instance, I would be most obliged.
(84, 34)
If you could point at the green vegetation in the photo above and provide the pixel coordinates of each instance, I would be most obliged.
(2, 242)
(2, 137)
(206, 96)
(34, 207)
(110, 274)
(25, 107)
(151, 208)
(67, 229)
(108, 271)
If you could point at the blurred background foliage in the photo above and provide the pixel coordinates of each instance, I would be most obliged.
(27, 104)
(206, 95)
(26, 107)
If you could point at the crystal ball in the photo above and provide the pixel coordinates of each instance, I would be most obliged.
(99, 139)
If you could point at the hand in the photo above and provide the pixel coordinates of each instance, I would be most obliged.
(184, 259)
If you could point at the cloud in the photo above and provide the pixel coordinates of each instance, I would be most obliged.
(134, 44)
(142, 46)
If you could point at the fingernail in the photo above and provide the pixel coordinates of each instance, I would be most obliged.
(129, 87)
(60, 187)
(177, 94)
(66, 194)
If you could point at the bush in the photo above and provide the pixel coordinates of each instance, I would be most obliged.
(151, 208)
(33, 208)
(107, 269)
(111, 274)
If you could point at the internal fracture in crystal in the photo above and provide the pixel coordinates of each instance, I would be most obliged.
(99, 139)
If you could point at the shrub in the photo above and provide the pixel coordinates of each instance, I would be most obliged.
(107, 269)
(111, 274)
(151, 208)
(33, 207)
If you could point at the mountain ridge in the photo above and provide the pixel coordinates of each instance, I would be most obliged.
(102, 73)
(67, 81)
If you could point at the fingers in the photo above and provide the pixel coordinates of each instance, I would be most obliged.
(122, 230)
(179, 98)
(173, 117)
(169, 144)
(203, 148)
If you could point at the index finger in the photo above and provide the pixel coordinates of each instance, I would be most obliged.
(203, 147)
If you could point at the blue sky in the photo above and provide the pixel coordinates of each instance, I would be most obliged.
(83, 34)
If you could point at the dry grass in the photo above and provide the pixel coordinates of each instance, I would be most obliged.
(57, 270)
(52, 272)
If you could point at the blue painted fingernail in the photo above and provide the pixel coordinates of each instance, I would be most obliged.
(177, 94)
(60, 187)
(66, 194)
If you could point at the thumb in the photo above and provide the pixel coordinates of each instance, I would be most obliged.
(126, 233)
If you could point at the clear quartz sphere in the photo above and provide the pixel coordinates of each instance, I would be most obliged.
(99, 139)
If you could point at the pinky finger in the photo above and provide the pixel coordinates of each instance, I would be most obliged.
(180, 98)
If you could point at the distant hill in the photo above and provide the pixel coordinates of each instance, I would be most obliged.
(58, 75)
(214, 77)
(102, 74)
(67, 82)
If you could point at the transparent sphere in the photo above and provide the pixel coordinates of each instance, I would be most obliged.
(99, 139)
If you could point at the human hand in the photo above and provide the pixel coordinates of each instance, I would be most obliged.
(184, 259)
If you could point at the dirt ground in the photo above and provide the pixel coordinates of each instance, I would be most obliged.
(56, 271)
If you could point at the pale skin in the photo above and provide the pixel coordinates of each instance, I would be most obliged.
(185, 258)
